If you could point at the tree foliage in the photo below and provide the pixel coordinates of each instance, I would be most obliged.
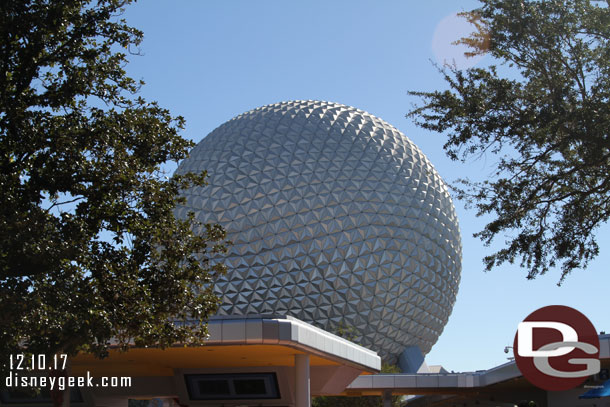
(546, 118)
(90, 248)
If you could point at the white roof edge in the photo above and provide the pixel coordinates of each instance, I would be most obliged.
(482, 378)
(290, 331)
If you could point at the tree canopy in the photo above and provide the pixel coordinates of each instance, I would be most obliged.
(91, 250)
(543, 110)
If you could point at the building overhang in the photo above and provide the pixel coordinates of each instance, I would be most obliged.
(492, 384)
(254, 340)
(254, 344)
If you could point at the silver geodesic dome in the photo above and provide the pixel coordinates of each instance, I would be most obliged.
(336, 218)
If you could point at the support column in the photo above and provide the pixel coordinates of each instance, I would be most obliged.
(302, 396)
(387, 398)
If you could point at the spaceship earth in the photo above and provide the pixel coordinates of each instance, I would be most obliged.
(336, 218)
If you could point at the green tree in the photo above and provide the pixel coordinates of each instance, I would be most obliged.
(90, 249)
(547, 120)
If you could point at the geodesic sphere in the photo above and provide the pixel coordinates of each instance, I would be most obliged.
(336, 218)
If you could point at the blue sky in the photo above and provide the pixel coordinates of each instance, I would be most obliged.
(212, 60)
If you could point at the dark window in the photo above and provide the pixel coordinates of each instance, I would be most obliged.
(229, 386)
(249, 386)
(214, 387)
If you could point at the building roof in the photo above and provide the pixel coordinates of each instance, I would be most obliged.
(505, 379)
(253, 340)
